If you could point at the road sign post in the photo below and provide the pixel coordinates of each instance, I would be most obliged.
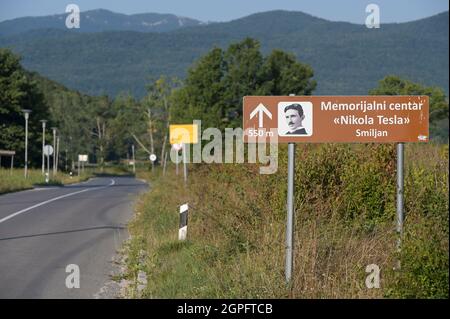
(289, 265)
(183, 150)
(27, 115)
(177, 147)
(179, 136)
(400, 190)
(82, 158)
(328, 119)
(48, 150)
(290, 213)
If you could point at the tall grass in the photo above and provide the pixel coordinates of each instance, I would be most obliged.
(11, 181)
(344, 221)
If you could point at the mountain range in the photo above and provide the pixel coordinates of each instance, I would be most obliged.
(346, 58)
(100, 20)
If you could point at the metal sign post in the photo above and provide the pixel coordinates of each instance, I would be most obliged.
(48, 150)
(177, 147)
(179, 136)
(184, 163)
(290, 212)
(27, 115)
(400, 182)
(329, 119)
(82, 158)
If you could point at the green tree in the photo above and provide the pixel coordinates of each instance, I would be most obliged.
(202, 96)
(282, 74)
(102, 113)
(19, 91)
(394, 85)
(128, 120)
(159, 112)
(218, 81)
(144, 123)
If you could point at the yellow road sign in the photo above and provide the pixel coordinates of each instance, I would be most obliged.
(183, 133)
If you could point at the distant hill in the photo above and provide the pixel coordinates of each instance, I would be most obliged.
(100, 20)
(347, 58)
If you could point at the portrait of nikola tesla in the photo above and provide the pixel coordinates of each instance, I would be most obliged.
(294, 118)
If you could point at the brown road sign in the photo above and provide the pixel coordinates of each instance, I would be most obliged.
(321, 119)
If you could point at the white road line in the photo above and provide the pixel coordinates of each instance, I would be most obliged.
(54, 199)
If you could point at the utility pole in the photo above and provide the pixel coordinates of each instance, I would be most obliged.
(26, 113)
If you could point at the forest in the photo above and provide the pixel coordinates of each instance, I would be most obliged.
(106, 127)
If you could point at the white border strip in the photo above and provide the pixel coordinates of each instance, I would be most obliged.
(183, 208)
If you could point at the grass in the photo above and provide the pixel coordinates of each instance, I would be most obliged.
(14, 181)
(345, 220)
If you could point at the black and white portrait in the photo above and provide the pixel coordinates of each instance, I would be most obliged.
(295, 118)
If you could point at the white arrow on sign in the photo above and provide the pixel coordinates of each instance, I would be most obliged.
(260, 110)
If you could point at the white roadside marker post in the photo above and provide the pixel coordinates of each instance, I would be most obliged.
(182, 231)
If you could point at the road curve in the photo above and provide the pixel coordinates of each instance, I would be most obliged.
(42, 231)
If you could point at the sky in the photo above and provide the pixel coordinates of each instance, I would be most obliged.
(226, 10)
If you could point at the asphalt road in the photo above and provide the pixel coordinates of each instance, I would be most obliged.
(42, 231)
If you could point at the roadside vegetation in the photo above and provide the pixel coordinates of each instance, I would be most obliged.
(345, 193)
(344, 200)
(15, 180)
(344, 221)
